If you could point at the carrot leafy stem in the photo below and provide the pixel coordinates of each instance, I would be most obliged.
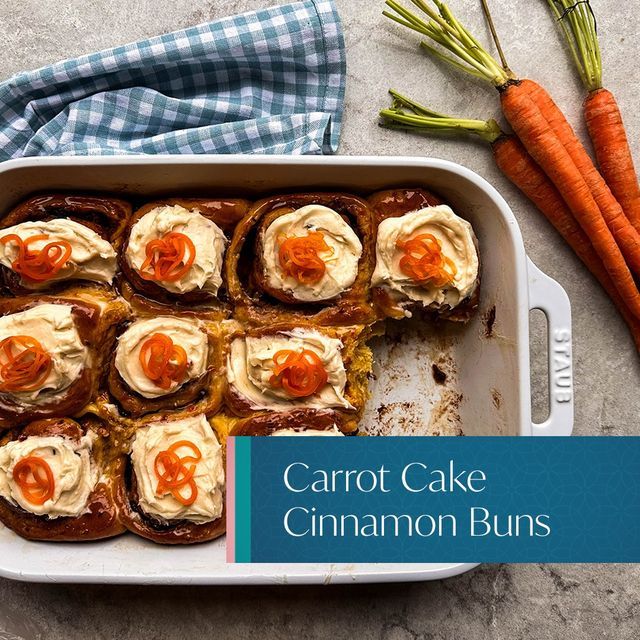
(410, 115)
(455, 44)
(578, 23)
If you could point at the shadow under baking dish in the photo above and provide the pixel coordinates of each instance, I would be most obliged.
(446, 380)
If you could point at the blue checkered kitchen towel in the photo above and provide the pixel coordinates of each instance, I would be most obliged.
(269, 81)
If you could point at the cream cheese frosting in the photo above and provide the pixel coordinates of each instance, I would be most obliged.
(457, 242)
(53, 326)
(208, 239)
(156, 437)
(250, 367)
(74, 475)
(186, 333)
(308, 432)
(92, 257)
(341, 261)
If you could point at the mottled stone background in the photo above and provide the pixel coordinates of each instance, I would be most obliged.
(510, 602)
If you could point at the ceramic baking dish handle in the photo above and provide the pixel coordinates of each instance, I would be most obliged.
(549, 297)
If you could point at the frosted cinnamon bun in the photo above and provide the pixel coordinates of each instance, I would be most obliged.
(427, 259)
(175, 249)
(50, 241)
(303, 257)
(172, 485)
(56, 481)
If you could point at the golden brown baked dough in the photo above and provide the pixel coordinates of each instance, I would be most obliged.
(356, 357)
(171, 532)
(101, 517)
(258, 304)
(267, 423)
(96, 315)
(138, 522)
(149, 296)
(106, 216)
(394, 203)
(200, 395)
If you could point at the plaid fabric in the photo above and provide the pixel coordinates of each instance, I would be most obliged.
(269, 81)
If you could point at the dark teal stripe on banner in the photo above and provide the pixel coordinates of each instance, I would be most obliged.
(243, 499)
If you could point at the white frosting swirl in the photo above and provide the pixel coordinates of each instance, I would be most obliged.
(92, 257)
(186, 333)
(308, 432)
(70, 463)
(208, 240)
(250, 367)
(341, 261)
(53, 326)
(156, 437)
(456, 239)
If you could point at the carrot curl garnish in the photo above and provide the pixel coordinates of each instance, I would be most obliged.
(169, 258)
(162, 361)
(299, 257)
(34, 477)
(424, 262)
(299, 373)
(173, 474)
(42, 265)
(24, 364)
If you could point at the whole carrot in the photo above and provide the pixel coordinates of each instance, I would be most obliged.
(547, 150)
(607, 132)
(601, 111)
(623, 231)
(519, 167)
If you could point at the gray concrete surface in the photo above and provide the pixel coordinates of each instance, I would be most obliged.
(501, 602)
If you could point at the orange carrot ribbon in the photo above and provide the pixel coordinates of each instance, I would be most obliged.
(298, 256)
(34, 477)
(424, 262)
(173, 474)
(162, 361)
(169, 258)
(24, 364)
(299, 373)
(42, 265)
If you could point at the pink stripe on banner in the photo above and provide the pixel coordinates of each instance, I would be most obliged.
(231, 500)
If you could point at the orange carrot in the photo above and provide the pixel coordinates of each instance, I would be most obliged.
(169, 257)
(24, 364)
(547, 149)
(603, 117)
(34, 477)
(162, 361)
(300, 373)
(423, 261)
(42, 265)
(623, 231)
(174, 475)
(607, 132)
(520, 168)
(298, 257)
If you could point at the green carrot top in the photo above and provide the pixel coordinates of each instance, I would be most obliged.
(577, 20)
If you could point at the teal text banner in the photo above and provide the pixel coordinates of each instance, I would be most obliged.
(414, 499)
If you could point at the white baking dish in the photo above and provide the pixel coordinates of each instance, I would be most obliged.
(491, 373)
